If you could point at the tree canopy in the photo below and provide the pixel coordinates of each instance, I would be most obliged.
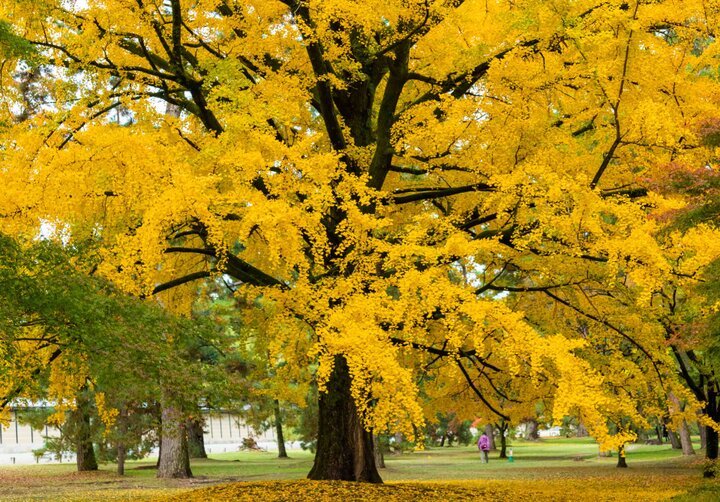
(439, 198)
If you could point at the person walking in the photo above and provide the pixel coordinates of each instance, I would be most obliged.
(484, 447)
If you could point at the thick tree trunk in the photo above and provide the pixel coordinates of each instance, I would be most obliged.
(282, 452)
(532, 430)
(344, 447)
(490, 433)
(196, 437)
(622, 462)
(711, 449)
(503, 439)
(581, 432)
(175, 458)
(85, 454)
(84, 451)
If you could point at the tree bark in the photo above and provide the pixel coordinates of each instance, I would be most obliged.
(344, 447)
(379, 457)
(622, 462)
(503, 438)
(84, 451)
(159, 459)
(674, 440)
(121, 455)
(156, 410)
(282, 452)
(490, 433)
(196, 437)
(711, 449)
(121, 449)
(581, 431)
(532, 430)
(711, 435)
(684, 432)
(85, 455)
(703, 437)
(685, 439)
(174, 461)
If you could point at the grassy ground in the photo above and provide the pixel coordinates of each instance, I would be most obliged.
(561, 469)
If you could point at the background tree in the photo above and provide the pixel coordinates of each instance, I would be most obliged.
(77, 341)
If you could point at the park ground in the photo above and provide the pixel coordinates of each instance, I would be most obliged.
(548, 470)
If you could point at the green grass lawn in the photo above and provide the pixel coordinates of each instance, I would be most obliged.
(567, 463)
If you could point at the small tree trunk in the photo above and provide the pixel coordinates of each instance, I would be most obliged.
(121, 455)
(685, 439)
(282, 452)
(379, 457)
(658, 433)
(196, 437)
(622, 462)
(121, 449)
(344, 447)
(157, 464)
(490, 433)
(703, 437)
(157, 413)
(503, 439)
(684, 432)
(442, 440)
(175, 457)
(674, 440)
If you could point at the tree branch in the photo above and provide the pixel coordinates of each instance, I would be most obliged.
(181, 280)
(478, 393)
(437, 192)
(611, 327)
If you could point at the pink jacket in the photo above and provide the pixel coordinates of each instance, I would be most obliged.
(484, 443)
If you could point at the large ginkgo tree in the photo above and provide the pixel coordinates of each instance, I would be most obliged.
(373, 178)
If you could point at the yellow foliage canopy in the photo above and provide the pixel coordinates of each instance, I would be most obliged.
(451, 195)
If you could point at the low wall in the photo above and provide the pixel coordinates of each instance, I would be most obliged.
(223, 432)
